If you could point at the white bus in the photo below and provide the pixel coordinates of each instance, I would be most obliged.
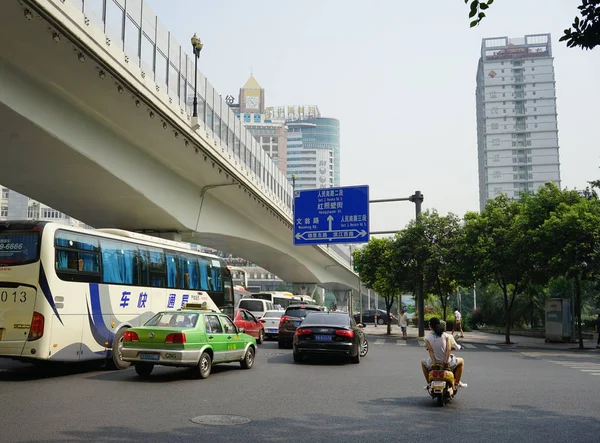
(239, 276)
(69, 294)
(283, 299)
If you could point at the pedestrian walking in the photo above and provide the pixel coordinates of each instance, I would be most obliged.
(403, 322)
(598, 330)
(457, 322)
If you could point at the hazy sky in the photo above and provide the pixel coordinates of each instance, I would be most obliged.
(400, 77)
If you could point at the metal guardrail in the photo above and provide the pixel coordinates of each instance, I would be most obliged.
(133, 26)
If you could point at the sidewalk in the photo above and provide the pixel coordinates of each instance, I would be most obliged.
(478, 337)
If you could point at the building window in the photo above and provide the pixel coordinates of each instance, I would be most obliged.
(33, 211)
(533, 68)
(51, 213)
(4, 211)
(514, 143)
(4, 192)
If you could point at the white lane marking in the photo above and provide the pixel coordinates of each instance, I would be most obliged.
(421, 343)
(469, 346)
(492, 347)
(400, 342)
(379, 342)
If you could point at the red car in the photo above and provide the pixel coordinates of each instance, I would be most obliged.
(244, 319)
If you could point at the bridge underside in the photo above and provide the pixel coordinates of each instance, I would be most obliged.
(74, 141)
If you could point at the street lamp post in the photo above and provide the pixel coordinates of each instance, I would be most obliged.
(197, 47)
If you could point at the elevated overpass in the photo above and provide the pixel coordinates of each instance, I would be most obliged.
(96, 122)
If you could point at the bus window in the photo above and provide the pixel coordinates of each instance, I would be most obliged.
(77, 257)
(18, 248)
(204, 274)
(215, 276)
(157, 267)
(118, 261)
(172, 270)
(189, 267)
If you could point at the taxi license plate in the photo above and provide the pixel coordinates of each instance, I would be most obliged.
(1, 331)
(145, 356)
(271, 331)
(323, 337)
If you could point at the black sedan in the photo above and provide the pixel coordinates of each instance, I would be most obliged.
(369, 316)
(331, 334)
(290, 320)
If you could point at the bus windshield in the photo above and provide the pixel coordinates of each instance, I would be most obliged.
(18, 247)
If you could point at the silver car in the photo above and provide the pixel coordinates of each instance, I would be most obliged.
(271, 323)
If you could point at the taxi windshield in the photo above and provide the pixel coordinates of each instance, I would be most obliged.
(173, 320)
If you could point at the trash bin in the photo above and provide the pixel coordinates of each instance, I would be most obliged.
(558, 320)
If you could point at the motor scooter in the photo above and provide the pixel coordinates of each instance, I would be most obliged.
(441, 384)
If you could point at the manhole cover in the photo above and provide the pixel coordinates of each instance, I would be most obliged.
(220, 420)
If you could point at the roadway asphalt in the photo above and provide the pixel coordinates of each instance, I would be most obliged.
(514, 394)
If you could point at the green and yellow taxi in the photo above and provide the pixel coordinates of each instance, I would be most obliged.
(192, 336)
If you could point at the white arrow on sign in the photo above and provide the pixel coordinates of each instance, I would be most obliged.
(330, 220)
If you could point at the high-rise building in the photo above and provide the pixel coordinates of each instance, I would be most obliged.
(272, 136)
(313, 146)
(517, 133)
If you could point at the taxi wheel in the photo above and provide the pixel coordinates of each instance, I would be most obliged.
(204, 366)
(248, 360)
(261, 337)
(117, 361)
(144, 369)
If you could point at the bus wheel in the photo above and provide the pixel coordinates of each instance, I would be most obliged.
(117, 362)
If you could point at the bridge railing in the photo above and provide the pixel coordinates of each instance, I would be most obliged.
(147, 43)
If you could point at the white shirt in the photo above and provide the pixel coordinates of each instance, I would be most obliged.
(457, 315)
(403, 320)
(438, 346)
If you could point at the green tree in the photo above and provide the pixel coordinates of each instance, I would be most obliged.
(585, 32)
(431, 242)
(571, 241)
(493, 250)
(373, 262)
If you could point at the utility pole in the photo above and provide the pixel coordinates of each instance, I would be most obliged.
(417, 199)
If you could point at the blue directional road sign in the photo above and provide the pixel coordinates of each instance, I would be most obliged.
(331, 215)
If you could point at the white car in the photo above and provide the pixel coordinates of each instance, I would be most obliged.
(271, 323)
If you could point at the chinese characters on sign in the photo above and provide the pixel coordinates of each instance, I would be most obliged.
(331, 215)
(143, 299)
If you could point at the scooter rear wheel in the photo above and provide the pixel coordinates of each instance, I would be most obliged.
(440, 400)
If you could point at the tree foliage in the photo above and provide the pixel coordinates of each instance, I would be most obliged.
(585, 32)
(519, 252)
(375, 268)
(493, 248)
(430, 242)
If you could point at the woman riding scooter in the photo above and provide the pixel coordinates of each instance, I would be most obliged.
(439, 346)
